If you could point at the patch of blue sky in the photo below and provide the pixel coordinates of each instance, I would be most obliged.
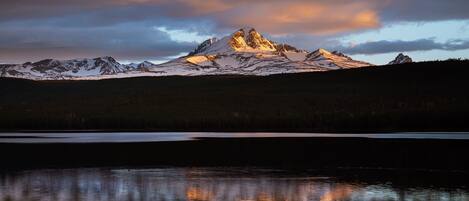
(431, 55)
(180, 35)
(440, 31)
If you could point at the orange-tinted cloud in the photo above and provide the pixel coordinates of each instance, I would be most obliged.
(277, 16)
(305, 17)
(207, 6)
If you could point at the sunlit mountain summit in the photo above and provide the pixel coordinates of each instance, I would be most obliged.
(244, 52)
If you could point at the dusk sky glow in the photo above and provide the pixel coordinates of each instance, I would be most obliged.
(159, 30)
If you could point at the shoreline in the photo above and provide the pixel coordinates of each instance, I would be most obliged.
(329, 153)
(225, 131)
(153, 137)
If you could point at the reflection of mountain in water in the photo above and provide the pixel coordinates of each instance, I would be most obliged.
(195, 184)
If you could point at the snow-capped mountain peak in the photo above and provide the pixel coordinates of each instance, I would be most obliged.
(141, 66)
(242, 40)
(66, 69)
(248, 39)
(245, 51)
(287, 48)
(145, 64)
(203, 46)
(322, 51)
(318, 54)
(401, 59)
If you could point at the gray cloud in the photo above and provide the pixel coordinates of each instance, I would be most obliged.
(378, 47)
(425, 10)
(125, 42)
(32, 30)
(308, 42)
(230, 13)
(35, 29)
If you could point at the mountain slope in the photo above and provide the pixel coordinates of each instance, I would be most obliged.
(245, 52)
(66, 69)
(248, 52)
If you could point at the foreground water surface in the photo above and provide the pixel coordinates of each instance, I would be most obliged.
(95, 137)
(220, 183)
(209, 184)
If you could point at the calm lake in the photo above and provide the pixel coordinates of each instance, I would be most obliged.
(218, 183)
(210, 184)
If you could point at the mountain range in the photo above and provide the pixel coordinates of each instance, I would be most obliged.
(244, 52)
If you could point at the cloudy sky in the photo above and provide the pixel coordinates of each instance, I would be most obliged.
(158, 30)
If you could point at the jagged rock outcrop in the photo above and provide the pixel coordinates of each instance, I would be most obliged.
(401, 59)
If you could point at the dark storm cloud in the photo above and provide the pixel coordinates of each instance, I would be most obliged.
(384, 46)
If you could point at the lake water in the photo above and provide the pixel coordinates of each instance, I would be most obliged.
(208, 184)
(95, 137)
(223, 183)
